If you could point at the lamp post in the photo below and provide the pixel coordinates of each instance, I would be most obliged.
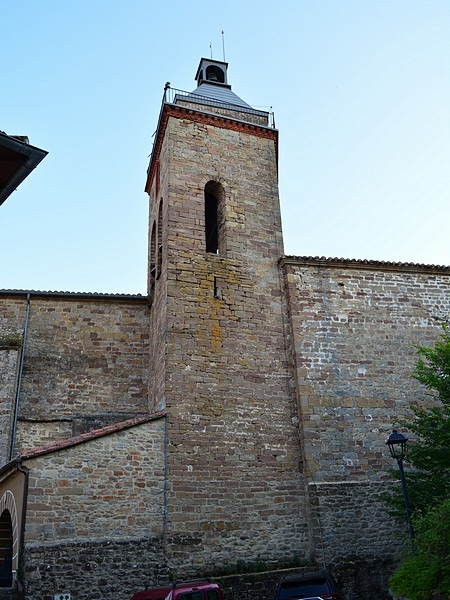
(396, 443)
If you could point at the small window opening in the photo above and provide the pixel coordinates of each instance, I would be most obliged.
(212, 238)
(214, 217)
(217, 290)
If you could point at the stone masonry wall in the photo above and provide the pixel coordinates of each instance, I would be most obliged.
(89, 498)
(354, 329)
(85, 364)
(94, 570)
(110, 487)
(158, 313)
(354, 536)
(12, 318)
(235, 484)
(8, 377)
(351, 517)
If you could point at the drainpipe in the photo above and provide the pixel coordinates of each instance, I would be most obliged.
(19, 380)
(166, 449)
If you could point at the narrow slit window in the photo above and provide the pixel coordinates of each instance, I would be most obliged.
(217, 289)
(214, 217)
(211, 230)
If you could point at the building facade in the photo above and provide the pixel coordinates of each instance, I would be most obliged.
(236, 414)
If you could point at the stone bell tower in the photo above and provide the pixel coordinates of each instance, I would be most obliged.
(220, 360)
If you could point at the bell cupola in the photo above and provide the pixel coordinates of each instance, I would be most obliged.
(212, 72)
(212, 82)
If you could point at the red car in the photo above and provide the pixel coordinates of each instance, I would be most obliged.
(189, 590)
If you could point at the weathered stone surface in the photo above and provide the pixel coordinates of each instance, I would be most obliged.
(94, 570)
(234, 458)
(351, 519)
(354, 334)
(9, 361)
(83, 357)
(108, 488)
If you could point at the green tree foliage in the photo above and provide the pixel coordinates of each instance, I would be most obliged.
(429, 480)
(433, 366)
(426, 574)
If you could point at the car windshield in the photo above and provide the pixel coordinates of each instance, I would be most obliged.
(295, 590)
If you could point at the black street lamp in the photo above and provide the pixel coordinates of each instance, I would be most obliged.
(397, 447)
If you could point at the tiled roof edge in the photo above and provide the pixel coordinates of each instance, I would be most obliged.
(87, 295)
(354, 263)
(91, 435)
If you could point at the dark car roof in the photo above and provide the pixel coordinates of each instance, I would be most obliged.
(305, 576)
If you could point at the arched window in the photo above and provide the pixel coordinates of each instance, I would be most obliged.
(157, 177)
(215, 73)
(160, 240)
(6, 549)
(214, 233)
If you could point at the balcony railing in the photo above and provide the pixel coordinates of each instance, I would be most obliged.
(172, 95)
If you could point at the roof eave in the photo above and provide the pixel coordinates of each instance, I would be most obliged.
(33, 156)
(361, 264)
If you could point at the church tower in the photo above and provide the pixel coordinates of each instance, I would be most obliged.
(220, 360)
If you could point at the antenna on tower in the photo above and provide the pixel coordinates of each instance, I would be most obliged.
(223, 45)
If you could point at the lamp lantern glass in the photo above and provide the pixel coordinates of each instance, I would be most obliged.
(397, 445)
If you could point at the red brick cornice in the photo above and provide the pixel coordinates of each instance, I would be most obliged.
(196, 116)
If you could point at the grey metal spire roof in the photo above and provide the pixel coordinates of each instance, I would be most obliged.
(212, 82)
(220, 93)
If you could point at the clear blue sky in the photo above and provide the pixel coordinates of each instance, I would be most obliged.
(361, 93)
